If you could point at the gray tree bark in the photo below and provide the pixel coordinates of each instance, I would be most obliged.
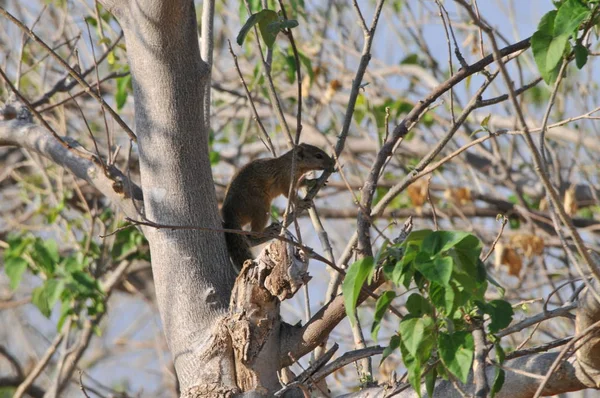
(191, 268)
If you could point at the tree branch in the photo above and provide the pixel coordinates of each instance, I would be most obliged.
(114, 185)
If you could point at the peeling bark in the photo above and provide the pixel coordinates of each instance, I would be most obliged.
(250, 333)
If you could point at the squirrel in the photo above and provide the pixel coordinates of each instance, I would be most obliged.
(252, 189)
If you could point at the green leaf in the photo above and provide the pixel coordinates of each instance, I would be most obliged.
(501, 314)
(305, 60)
(468, 264)
(123, 86)
(486, 120)
(54, 212)
(540, 43)
(413, 366)
(383, 302)
(417, 237)
(469, 243)
(499, 372)
(17, 244)
(52, 249)
(7, 392)
(45, 297)
(498, 382)
(111, 58)
(456, 352)
(411, 59)
(86, 284)
(268, 27)
(500, 354)
(570, 15)
(39, 298)
(97, 307)
(14, 268)
(412, 330)
(439, 269)
(286, 24)
(129, 241)
(394, 343)
(215, 157)
(441, 241)
(290, 68)
(91, 21)
(264, 19)
(417, 305)
(548, 43)
(555, 51)
(403, 271)
(250, 22)
(444, 298)
(397, 6)
(360, 108)
(53, 289)
(581, 55)
(71, 264)
(45, 255)
(430, 379)
(355, 278)
(65, 311)
(97, 330)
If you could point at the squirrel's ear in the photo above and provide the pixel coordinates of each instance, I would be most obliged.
(300, 151)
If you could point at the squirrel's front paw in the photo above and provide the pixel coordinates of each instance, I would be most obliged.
(308, 183)
(303, 204)
(274, 228)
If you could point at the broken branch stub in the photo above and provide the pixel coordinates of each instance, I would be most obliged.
(253, 322)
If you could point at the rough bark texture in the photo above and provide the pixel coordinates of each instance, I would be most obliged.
(255, 324)
(192, 273)
(588, 355)
(248, 338)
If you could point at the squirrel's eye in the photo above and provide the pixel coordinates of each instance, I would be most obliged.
(319, 156)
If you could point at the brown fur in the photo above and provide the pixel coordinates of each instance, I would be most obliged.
(251, 191)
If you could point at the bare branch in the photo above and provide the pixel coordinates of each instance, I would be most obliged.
(114, 185)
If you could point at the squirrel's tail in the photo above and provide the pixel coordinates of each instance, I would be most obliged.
(238, 248)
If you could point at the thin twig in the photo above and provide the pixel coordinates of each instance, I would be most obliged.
(309, 251)
(540, 348)
(81, 387)
(347, 358)
(493, 245)
(106, 129)
(537, 160)
(563, 311)
(275, 103)
(39, 367)
(71, 71)
(63, 86)
(265, 135)
(565, 350)
(33, 110)
(292, 189)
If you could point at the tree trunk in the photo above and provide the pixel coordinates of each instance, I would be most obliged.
(192, 273)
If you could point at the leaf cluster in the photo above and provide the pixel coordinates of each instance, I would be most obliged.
(66, 278)
(557, 36)
(450, 280)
